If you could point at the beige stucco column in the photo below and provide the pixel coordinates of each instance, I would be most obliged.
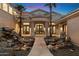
(46, 28)
(32, 29)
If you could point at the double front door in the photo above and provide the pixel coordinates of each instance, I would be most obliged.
(39, 29)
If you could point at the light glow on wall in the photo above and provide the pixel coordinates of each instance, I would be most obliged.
(5, 6)
(17, 28)
(10, 9)
(53, 23)
(54, 29)
(61, 29)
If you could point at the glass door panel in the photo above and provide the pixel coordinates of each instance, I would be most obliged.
(26, 29)
(39, 29)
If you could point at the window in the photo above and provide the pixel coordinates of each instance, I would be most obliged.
(25, 23)
(26, 29)
(5, 7)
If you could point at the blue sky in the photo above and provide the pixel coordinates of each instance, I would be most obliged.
(62, 8)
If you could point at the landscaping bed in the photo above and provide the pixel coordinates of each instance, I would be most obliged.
(66, 52)
(11, 44)
(61, 47)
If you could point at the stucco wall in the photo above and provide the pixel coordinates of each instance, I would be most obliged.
(6, 19)
(73, 29)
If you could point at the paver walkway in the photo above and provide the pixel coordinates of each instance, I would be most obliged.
(40, 48)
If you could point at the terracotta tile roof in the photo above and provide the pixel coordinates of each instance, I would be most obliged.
(26, 13)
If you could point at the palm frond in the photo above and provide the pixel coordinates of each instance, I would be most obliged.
(47, 4)
(20, 7)
(50, 4)
(54, 4)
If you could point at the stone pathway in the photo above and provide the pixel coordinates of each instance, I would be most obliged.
(40, 48)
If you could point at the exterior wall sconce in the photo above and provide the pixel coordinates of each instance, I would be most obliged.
(61, 29)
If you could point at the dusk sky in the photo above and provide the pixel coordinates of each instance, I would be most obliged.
(63, 8)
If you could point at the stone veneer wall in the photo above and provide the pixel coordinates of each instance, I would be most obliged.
(6, 19)
(73, 29)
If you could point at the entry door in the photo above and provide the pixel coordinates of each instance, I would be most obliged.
(39, 29)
